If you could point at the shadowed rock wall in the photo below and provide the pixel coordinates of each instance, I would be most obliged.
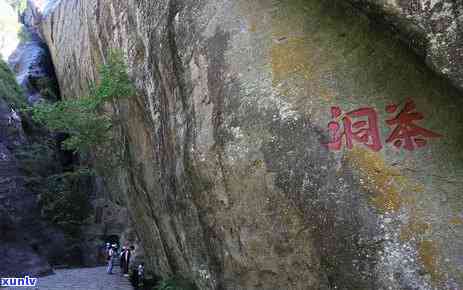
(226, 178)
(433, 28)
(26, 241)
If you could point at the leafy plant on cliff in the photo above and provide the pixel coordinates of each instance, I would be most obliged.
(86, 119)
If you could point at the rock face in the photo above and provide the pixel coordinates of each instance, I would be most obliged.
(26, 242)
(433, 28)
(228, 178)
(31, 63)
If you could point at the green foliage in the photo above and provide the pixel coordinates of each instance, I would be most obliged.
(84, 118)
(78, 118)
(175, 283)
(114, 80)
(9, 89)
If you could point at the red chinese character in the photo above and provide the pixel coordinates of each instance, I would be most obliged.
(363, 131)
(406, 133)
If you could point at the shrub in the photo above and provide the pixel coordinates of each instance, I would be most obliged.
(83, 119)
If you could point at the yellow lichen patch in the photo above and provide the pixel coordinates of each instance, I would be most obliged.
(414, 228)
(456, 221)
(379, 178)
(253, 21)
(289, 57)
(252, 25)
(254, 12)
(429, 256)
(291, 47)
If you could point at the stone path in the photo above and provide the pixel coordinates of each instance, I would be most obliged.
(82, 279)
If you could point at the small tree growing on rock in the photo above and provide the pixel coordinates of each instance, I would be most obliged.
(84, 119)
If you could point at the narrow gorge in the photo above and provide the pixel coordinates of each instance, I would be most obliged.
(266, 144)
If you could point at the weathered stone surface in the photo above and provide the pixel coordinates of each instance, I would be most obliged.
(25, 241)
(432, 27)
(227, 181)
(31, 62)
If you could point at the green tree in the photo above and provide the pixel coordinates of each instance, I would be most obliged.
(84, 119)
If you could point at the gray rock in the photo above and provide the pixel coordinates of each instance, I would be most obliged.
(27, 242)
(432, 28)
(227, 180)
(20, 249)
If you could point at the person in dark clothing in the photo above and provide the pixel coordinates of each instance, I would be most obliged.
(134, 279)
(127, 256)
(122, 260)
(137, 277)
(141, 274)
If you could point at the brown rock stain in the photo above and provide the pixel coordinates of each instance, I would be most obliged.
(252, 23)
(289, 57)
(393, 191)
(429, 255)
(379, 178)
(414, 228)
(456, 221)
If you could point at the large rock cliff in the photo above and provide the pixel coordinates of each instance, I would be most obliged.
(226, 174)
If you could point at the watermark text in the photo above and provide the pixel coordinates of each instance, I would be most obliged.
(18, 282)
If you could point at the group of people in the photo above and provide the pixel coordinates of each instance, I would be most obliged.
(125, 257)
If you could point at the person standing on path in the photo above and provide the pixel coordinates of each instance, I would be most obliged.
(111, 257)
(105, 253)
(122, 259)
(107, 248)
(140, 275)
(127, 256)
